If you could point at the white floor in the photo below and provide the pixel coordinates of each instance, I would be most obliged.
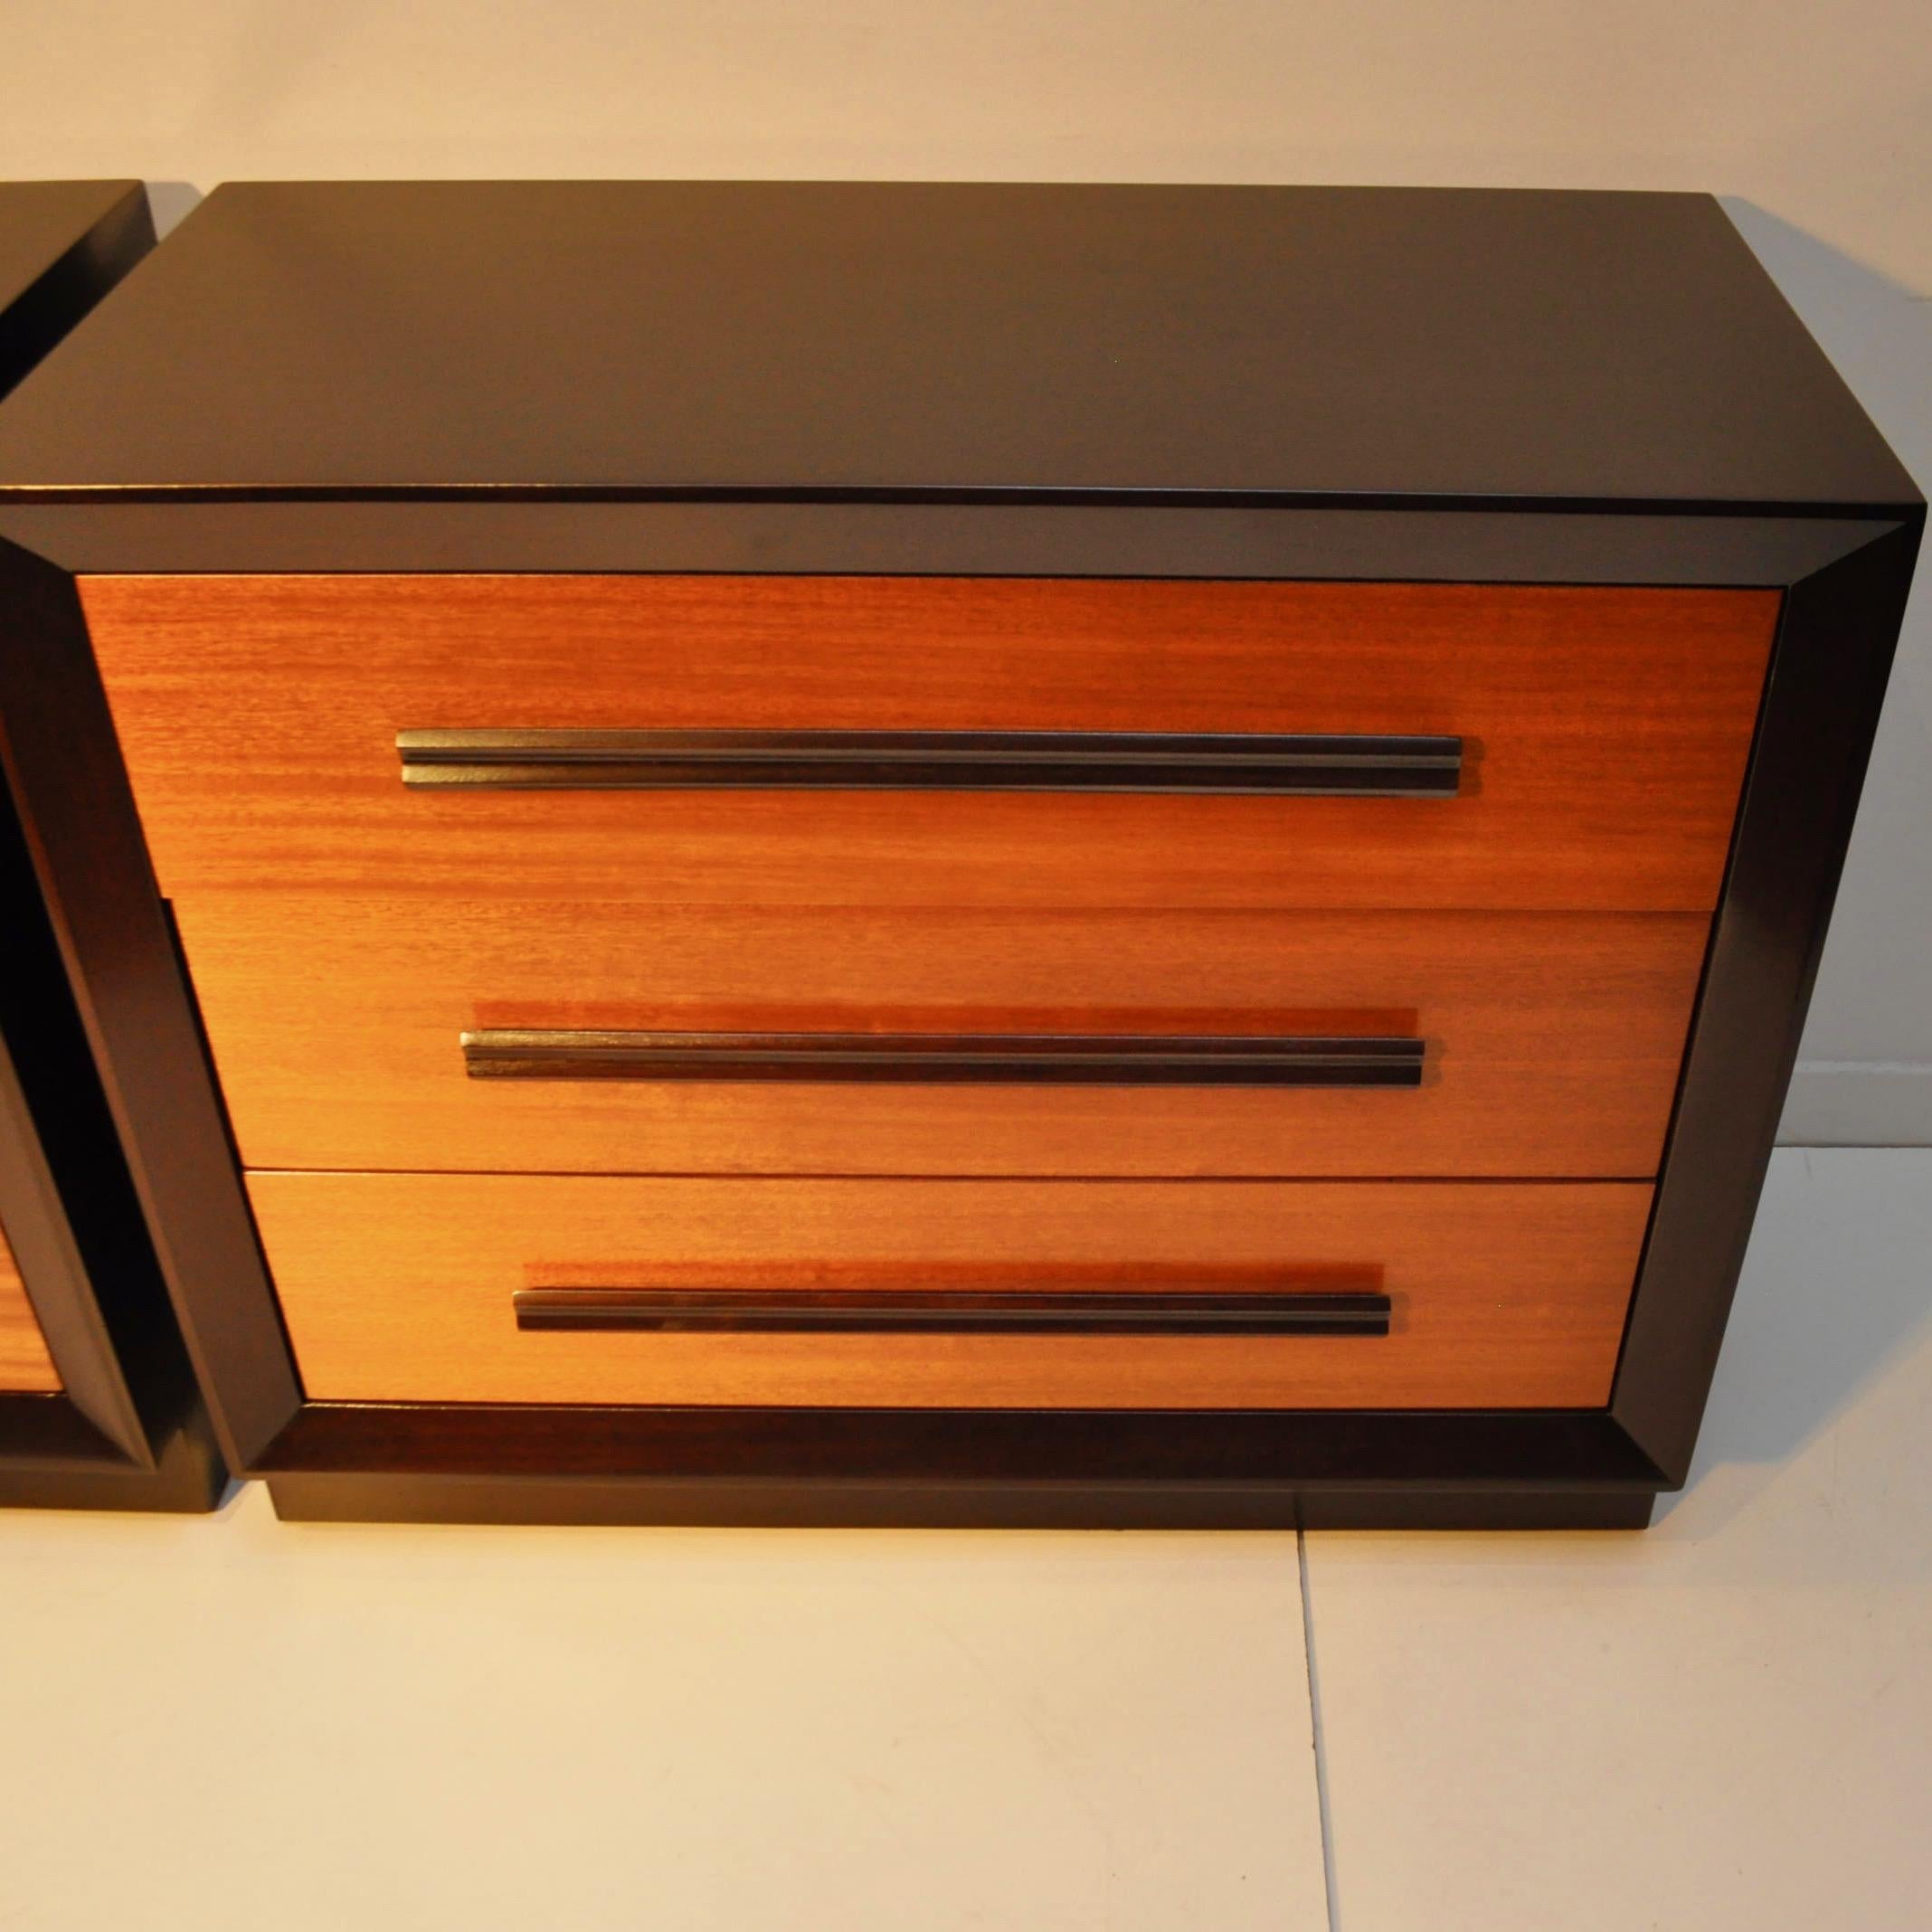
(1728, 1722)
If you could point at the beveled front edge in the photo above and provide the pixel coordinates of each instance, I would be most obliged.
(1830, 663)
(103, 536)
(1364, 1467)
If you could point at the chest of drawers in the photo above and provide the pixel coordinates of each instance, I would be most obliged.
(844, 853)
(97, 1405)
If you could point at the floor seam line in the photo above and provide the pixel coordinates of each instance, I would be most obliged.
(1317, 1739)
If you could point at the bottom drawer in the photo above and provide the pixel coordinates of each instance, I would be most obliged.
(952, 1294)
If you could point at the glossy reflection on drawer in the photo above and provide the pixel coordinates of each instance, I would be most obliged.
(402, 1288)
(1552, 1040)
(25, 1367)
(1604, 735)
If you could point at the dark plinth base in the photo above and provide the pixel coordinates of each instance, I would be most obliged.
(188, 1480)
(382, 1498)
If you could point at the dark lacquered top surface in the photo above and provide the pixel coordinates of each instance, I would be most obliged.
(828, 338)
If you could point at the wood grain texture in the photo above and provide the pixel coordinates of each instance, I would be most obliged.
(398, 1288)
(25, 1367)
(1553, 1039)
(1606, 731)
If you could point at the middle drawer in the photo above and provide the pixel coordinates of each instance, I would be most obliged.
(1528, 1044)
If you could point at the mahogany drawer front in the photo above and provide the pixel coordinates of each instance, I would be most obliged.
(404, 1287)
(1548, 1042)
(1604, 734)
(25, 1367)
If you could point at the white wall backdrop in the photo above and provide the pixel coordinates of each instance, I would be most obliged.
(1812, 117)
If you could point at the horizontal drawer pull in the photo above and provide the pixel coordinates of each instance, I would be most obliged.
(1040, 1059)
(881, 1312)
(978, 761)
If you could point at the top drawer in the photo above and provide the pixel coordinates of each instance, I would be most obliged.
(1604, 734)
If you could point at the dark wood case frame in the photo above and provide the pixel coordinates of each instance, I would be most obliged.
(1843, 570)
(127, 1429)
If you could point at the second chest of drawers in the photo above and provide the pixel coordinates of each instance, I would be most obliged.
(97, 1405)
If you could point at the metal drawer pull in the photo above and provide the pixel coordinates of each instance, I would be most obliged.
(916, 1311)
(956, 760)
(1032, 1059)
